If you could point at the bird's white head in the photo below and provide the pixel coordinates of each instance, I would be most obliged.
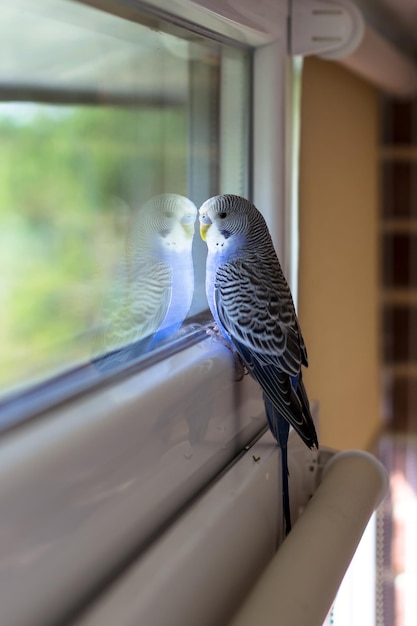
(230, 222)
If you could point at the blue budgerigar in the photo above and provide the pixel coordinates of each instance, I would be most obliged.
(154, 288)
(252, 304)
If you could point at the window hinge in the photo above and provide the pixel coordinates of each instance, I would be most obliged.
(330, 28)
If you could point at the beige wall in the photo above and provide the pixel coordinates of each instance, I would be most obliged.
(338, 252)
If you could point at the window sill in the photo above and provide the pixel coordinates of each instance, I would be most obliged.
(88, 485)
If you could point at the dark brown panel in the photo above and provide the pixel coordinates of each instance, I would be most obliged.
(399, 260)
(399, 122)
(399, 189)
(399, 334)
(404, 405)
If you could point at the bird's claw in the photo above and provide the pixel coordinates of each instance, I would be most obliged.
(213, 331)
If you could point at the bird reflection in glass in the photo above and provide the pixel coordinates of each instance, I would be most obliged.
(155, 285)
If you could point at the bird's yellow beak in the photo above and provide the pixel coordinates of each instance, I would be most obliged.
(203, 230)
(189, 230)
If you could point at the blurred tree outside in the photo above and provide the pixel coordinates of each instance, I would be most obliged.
(70, 180)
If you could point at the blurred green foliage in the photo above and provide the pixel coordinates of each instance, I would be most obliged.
(70, 179)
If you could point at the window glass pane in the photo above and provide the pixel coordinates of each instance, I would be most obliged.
(112, 132)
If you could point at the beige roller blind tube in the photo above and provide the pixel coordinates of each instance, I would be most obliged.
(299, 585)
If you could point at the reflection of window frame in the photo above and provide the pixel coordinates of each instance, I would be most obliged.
(77, 457)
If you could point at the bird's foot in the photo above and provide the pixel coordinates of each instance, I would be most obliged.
(214, 331)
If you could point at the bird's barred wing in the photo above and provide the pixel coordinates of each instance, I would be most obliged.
(286, 401)
(138, 306)
(255, 306)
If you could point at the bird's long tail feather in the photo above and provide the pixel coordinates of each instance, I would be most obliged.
(280, 429)
(285, 490)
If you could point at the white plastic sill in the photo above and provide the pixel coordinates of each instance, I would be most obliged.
(88, 484)
(201, 569)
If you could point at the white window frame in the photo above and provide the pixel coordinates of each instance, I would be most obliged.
(73, 505)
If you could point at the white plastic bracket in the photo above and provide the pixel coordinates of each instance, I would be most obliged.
(332, 29)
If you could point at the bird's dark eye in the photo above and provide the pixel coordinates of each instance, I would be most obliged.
(222, 215)
(167, 214)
